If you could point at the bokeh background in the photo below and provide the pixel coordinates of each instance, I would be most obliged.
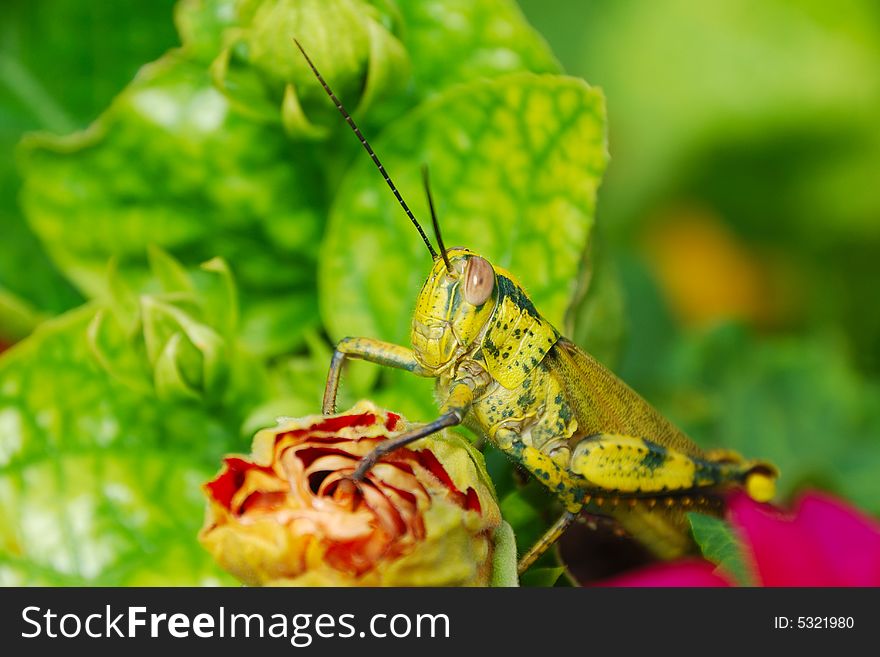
(735, 265)
(741, 215)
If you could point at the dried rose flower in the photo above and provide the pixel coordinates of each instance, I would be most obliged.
(288, 515)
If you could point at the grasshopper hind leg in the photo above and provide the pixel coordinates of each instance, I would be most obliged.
(546, 541)
(649, 488)
(644, 487)
(640, 467)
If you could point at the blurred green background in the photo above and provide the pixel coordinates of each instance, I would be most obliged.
(741, 211)
(732, 275)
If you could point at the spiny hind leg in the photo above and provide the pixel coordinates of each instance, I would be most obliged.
(552, 475)
(546, 541)
(640, 467)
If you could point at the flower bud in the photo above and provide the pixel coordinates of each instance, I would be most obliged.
(266, 76)
(175, 341)
(289, 514)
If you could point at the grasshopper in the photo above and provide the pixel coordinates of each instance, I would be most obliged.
(506, 373)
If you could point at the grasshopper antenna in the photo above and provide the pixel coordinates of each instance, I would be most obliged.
(434, 221)
(370, 152)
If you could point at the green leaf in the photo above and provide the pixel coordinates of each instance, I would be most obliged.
(30, 284)
(719, 545)
(855, 475)
(64, 79)
(182, 350)
(111, 418)
(169, 164)
(524, 509)
(17, 316)
(515, 163)
(458, 41)
(49, 79)
(170, 273)
(413, 396)
(99, 485)
(384, 41)
(597, 316)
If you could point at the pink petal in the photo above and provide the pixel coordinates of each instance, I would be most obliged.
(848, 540)
(783, 556)
(824, 544)
(690, 572)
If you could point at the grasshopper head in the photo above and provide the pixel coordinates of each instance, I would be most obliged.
(453, 307)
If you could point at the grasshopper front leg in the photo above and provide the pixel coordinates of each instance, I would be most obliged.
(373, 351)
(391, 355)
(451, 413)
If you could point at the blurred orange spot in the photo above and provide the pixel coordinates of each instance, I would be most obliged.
(707, 273)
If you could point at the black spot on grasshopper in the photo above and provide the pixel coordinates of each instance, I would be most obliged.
(526, 400)
(564, 410)
(656, 456)
(507, 288)
(489, 346)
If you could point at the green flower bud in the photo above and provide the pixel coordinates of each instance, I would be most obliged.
(175, 341)
(263, 72)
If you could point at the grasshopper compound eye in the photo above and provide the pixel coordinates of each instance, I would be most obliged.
(479, 281)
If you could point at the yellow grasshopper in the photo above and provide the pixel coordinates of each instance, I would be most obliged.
(506, 373)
